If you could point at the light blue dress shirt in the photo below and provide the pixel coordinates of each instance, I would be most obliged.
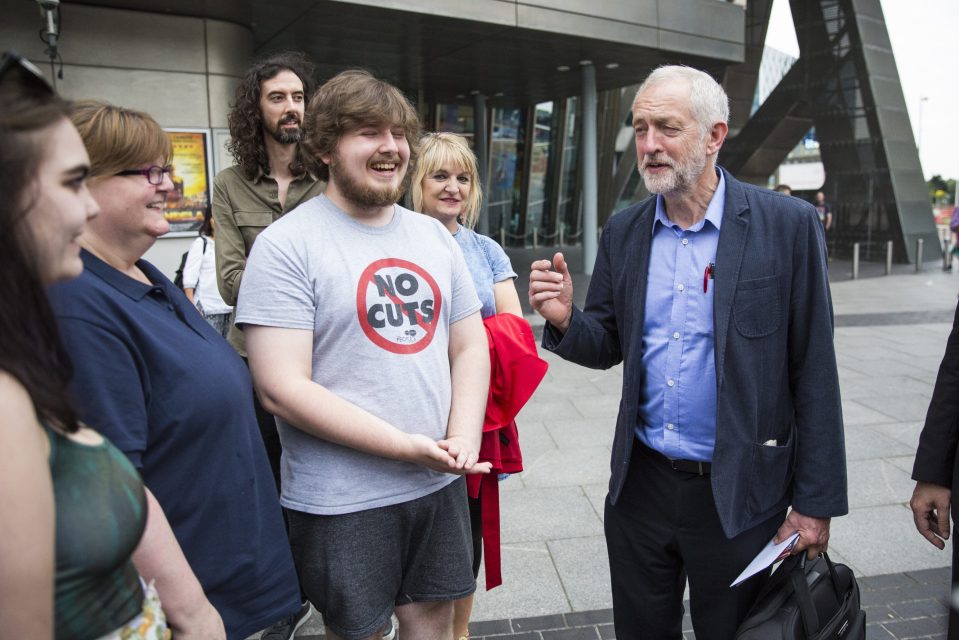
(677, 413)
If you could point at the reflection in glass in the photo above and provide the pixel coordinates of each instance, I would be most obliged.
(456, 118)
(506, 173)
(567, 211)
(539, 201)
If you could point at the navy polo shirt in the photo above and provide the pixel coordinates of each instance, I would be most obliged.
(152, 376)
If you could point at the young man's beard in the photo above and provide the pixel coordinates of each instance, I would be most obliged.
(364, 195)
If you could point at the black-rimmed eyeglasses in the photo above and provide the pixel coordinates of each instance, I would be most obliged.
(154, 174)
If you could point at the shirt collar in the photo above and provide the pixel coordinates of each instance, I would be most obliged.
(714, 210)
(262, 175)
(124, 284)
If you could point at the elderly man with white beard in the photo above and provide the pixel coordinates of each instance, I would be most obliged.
(713, 293)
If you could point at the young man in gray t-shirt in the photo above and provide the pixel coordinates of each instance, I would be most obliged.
(365, 340)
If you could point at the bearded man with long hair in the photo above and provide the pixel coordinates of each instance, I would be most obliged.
(272, 176)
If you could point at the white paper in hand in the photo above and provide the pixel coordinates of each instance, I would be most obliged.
(770, 554)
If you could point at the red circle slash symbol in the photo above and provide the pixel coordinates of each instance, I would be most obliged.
(398, 304)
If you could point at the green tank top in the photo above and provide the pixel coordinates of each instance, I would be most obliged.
(100, 517)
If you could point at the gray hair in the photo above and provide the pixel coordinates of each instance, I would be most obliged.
(708, 101)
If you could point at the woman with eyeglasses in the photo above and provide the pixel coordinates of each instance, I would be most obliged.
(172, 394)
(72, 507)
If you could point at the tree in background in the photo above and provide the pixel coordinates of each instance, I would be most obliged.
(941, 191)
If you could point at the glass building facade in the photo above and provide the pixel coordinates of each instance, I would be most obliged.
(531, 194)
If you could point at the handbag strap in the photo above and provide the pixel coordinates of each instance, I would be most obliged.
(202, 254)
(807, 610)
(833, 576)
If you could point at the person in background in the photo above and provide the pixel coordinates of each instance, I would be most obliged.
(199, 279)
(784, 188)
(72, 507)
(445, 186)
(173, 396)
(936, 469)
(823, 210)
(271, 177)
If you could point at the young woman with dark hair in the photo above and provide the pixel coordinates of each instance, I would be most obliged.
(72, 507)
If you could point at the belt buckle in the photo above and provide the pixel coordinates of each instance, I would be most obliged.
(687, 466)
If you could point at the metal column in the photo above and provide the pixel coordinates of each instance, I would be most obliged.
(589, 169)
(481, 146)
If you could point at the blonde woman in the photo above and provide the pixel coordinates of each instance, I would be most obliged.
(445, 186)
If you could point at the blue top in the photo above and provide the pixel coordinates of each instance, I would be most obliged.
(153, 377)
(488, 264)
(677, 405)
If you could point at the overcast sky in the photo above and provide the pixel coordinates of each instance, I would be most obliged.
(925, 41)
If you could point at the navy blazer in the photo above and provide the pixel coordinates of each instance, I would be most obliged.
(776, 371)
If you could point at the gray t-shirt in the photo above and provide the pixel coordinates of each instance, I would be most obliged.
(379, 301)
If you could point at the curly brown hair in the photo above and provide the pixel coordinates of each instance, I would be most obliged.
(352, 99)
(246, 121)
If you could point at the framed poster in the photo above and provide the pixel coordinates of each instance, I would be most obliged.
(192, 172)
(221, 157)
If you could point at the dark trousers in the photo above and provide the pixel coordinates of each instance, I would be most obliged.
(664, 529)
(953, 614)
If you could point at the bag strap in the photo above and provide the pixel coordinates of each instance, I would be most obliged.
(202, 253)
(807, 610)
(833, 576)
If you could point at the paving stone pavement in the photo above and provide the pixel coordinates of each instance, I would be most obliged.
(890, 337)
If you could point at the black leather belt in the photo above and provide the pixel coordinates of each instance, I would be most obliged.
(686, 466)
(691, 466)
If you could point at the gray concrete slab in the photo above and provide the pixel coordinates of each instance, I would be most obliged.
(882, 539)
(865, 442)
(854, 413)
(547, 513)
(576, 433)
(877, 482)
(566, 467)
(531, 585)
(906, 432)
(903, 406)
(583, 566)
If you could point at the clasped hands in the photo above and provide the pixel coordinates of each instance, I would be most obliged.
(454, 454)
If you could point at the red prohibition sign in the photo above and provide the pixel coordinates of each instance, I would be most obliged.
(422, 330)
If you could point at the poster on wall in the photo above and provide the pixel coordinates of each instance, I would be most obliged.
(191, 180)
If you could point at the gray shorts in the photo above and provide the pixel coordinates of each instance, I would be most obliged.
(356, 567)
